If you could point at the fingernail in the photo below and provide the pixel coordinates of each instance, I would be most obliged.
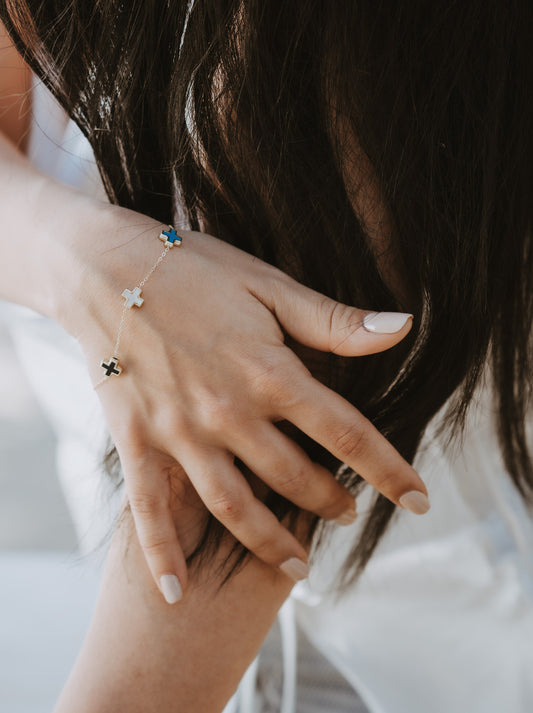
(415, 501)
(347, 517)
(171, 588)
(385, 322)
(295, 569)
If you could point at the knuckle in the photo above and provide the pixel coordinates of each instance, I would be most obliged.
(266, 549)
(336, 505)
(274, 377)
(217, 414)
(227, 506)
(387, 481)
(155, 547)
(293, 482)
(174, 422)
(276, 281)
(145, 505)
(328, 310)
(280, 390)
(287, 395)
(342, 321)
(130, 433)
(262, 375)
(351, 443)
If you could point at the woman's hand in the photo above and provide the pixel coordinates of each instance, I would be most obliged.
(206, 375)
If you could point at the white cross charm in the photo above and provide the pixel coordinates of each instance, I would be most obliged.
(133, 297)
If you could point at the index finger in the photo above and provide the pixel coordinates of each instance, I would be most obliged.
(343, 430)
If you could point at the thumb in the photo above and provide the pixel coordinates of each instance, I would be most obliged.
(322, 323)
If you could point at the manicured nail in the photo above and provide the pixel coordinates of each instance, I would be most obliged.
(295, 569)
(347, 517)
(415, 501)
(171, 588)
(385, 322)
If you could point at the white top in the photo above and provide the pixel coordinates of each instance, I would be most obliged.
(442, 619)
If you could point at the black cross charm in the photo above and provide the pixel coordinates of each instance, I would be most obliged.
(112, 367)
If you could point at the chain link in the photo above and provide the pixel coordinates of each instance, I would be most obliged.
(122, 318)
(104, 378)
(125, 308)
(155, 266)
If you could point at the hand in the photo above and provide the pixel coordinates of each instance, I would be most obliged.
(206, 375)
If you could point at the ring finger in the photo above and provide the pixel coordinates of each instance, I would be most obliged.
(278, 461)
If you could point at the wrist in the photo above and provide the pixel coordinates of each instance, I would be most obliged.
(104, 251)
(71, 225)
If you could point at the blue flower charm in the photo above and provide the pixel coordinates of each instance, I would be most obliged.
(170, 237)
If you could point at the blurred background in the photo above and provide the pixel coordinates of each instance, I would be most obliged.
(47, 586)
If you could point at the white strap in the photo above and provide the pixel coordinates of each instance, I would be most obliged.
(289, 647)
(245, 700)
(231, 706)
(247, 688)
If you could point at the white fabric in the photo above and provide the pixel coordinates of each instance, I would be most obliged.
(442, 620)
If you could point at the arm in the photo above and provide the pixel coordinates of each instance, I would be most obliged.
(206, 358)
(220, 378)
(142, 656)
(134, 635)
(27, 223)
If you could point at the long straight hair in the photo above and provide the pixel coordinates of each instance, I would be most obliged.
(238, 110)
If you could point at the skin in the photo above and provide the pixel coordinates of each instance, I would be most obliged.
(143, 655)
(219, 406)
(201, 386)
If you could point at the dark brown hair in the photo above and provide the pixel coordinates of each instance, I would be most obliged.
(238, 110)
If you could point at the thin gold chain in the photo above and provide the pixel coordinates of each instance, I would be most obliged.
(141, 284)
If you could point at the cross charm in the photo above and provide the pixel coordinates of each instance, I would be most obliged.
(133, 297)
(170, 237)
(112, 367)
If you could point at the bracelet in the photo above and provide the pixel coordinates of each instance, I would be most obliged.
(133, 298)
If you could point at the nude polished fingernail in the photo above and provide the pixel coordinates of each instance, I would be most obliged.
(347, 517)
(385, 322)
(171, 588)
(295, 569)
(415, 501)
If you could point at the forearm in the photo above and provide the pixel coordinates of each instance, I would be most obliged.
(39, 221)
(143, 655)
(39, 218)
(54, 241)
